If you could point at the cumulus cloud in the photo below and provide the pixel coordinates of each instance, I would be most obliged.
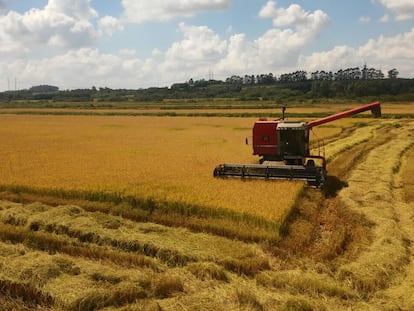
(295, 16)
(127, 52)
(199, 46)
(281, 49)
(163, 10)
(156, 52)
(278, 48)
(383, 53)
(404, 9)
(85, 67)
(364, 19)
(62, 24)
(80, 9)
(81, 68)
(339, 57)
(385, 18)
(273, 51)
(200, 50)
(108, 25)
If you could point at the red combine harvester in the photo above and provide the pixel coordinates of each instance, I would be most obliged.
(287, 141)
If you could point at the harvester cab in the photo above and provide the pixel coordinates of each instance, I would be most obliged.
(287, 141)
(281, 141)
(293, 140)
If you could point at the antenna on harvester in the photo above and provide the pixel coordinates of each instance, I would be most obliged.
(283, 111)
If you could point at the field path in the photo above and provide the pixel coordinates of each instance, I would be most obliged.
(384, 272)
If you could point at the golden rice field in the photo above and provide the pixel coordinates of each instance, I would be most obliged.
(167, 159)
(153, 159)
(77, 255)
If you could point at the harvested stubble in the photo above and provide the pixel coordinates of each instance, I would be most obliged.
(358, 136)
(408, 174)
(69, 284)
(33, 269)
(297, 281)
(372, 191)
(68, 229)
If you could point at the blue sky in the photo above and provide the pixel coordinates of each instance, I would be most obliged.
(133, 44)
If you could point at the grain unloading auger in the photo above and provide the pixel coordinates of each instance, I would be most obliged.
(285, 141)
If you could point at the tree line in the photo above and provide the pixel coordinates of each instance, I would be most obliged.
(299, 76)
(298, 85)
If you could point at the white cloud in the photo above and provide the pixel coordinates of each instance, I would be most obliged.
(385, 18)
(156, 52)
(382, 53)
(241, 56)
(200, 46)
(51, 26)
(340, 57)
(277, 49)
(127, 52)
(163, 10)
(79, 9)
(79, 68)
(108, 25)
(200, 50)
(364, 19)
(295, 16)
(403, 8)
(86, 67)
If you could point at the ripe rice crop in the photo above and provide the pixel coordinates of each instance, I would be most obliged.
(162, 159)
(165, 159)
